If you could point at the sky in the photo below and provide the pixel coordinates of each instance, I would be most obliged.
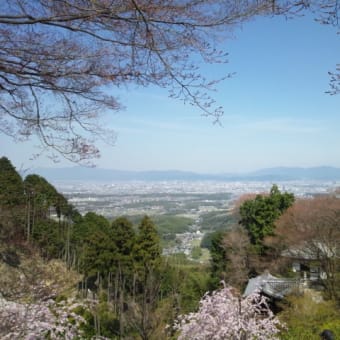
(276, 111)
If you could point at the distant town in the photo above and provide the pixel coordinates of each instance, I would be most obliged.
(140, 197)
(187, 209)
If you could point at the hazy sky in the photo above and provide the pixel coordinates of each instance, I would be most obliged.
(276, 110)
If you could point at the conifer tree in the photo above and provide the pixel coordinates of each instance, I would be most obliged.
(40, 197)
(123, 239)
(92, 240)
(147, 249)
(147, 254)
(12, 201)
(218, 259)
(11, 185)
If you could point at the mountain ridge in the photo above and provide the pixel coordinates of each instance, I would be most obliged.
(266, 174)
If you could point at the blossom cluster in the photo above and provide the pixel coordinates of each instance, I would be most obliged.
(226, 315)
(33, 321)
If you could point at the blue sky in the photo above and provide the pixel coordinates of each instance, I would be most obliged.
(276, 110)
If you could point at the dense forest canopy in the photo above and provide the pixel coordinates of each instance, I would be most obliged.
(117, 263)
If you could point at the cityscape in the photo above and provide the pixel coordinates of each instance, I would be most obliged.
(199, 207)
(157, 197)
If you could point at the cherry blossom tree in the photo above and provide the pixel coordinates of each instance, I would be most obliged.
(46, 319)
(224, 314)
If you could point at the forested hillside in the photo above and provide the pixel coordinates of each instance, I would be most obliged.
(114, 270)
(64, 275)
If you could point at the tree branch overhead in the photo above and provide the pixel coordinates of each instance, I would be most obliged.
(61, 60)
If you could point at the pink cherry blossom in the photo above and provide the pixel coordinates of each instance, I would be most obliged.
(223, 314)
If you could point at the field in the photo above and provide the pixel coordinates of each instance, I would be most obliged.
(182, 218)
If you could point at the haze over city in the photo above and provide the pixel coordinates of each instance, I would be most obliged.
(276, 110)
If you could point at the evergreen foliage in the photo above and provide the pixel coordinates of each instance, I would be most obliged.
(12, 201)
(11, 185)
(123, 238)
(258, 215)
(43, 200)
(90, 239)
(42, 194)
(46, 236)
(218, 259)
(147, 248)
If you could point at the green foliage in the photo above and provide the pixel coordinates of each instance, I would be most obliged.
(280, 201)
(178, 259)
(83, 228)
(98, 254)
(207, 240)
(46, 236)
(123, 237)
(41, 197)
(258, 216)
(62, 297)
(125, 262)
(26, 207)
(126, 265)
(87, 327)
(43, 193)
(183, 282)
(195, 283)
(172, 224)
(115, 258)
(92, 241)
(334, 326)
(12, 202)
(109, 323)
(217, 220)
(218, 260)
(11, 185)
(196, 252)
(307, 315)
(147, 248)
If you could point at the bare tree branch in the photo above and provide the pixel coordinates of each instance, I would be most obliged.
(58, 57)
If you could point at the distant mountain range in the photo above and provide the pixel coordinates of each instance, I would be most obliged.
(271, 174)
